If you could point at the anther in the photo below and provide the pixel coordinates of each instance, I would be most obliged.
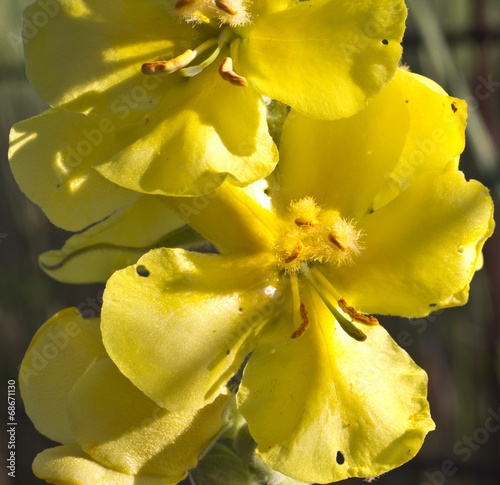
(302, 221)
(169, 66)
(335, 240)
(295, 254)
(355, 315)
(225, 7)
(227, 73)
(184, 3)
(305, 322)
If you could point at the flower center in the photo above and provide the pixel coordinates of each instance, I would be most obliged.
(314, 236)
(221, 15)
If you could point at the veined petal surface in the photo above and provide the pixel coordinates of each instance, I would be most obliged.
(324, 58)
(421, 249)
(56, 358)
(120, 427)
(351, 157)
(203, 132)
(325, 407)
(179, 324)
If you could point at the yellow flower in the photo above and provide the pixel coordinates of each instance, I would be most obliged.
(111, 433)
(186, 128)
(326, 392)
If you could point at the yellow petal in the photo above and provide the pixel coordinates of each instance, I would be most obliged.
(324, 58)
(69, 465)
(87, 55)
(51, 157)
(436, 134)
(123, 429)
(203, 132)
(56, 358)
(182, 329)
(117, 242)
(351, 158)
(421, 250)
(325, 407)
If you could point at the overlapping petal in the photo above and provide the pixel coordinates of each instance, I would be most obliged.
(118, 426)
(52, 157)
(110, 430)
(367, 160)
(119, 241)
(325, 407)
(57, 357)
(324, 58)
(351, 157)
(88, 54)
(69, 465)
(422, 249)
(201, 133)
(192, 319)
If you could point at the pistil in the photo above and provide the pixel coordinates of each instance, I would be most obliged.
(345, 324)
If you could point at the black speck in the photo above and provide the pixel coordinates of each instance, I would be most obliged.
(227, 352)
(340, 458)
(433, 305)
(142, 271)
(407, 101)
(267, 191)
(454, 107)
(58, 186)
(385, 42)
(240, 309)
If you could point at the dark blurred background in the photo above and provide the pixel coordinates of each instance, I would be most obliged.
(454, 42)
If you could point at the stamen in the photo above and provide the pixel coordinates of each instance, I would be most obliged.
(168, 66)
(346, 325)
(227, 73)
(180, 61)
(225, 7)
(335, 240)
(302, 221)
(305, 322)
(295, 254)
(356, 315)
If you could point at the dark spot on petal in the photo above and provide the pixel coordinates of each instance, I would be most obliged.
(240, 309)
(228, 352)
(433, 305)
(385, 42)
(454, 107)
(407, 100)
(147, 121)
(58, 186)
(340, 458)
(267, 191)
(142, 271)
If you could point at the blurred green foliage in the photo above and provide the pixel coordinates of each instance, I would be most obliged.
(456, 43)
